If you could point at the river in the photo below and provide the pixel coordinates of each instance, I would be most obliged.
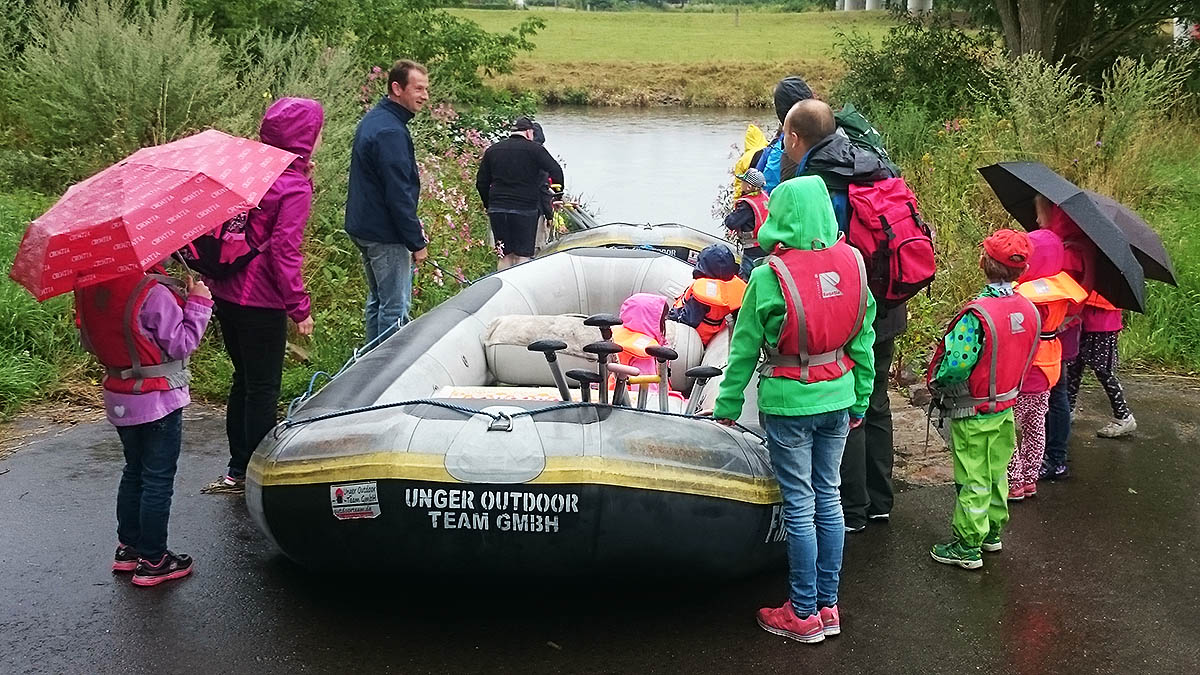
(649, 165)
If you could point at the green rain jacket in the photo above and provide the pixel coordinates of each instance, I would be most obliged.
(800, 215)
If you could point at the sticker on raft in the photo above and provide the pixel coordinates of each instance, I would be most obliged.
(352, 501)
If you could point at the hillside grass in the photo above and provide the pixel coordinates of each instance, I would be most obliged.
(668, 58)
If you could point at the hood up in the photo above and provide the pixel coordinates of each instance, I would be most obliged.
(801, 216)
(646, 313)
(755, 139)
(1047, 257)
(715, 262)
(790, 91)
(293, 124)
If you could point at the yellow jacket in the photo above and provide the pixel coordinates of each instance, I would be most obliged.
(755, 141)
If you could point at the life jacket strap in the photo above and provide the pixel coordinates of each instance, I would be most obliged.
(775, 360)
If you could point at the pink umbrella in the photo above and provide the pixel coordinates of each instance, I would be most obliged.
(132, 215)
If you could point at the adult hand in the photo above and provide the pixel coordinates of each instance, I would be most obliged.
(855, 422)
(305, 327)
(725, 422)
(198, 289)
(420, 256)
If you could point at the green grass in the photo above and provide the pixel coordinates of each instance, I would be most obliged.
(38, 347)
(668, 37)
(671, 58)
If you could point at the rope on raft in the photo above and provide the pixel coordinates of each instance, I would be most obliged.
(496, 418)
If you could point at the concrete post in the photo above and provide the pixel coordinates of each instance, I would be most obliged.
(840, 5)
(874, 5)
(919, 6)
(855, 5)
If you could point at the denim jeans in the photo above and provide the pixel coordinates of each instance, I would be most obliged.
(1058, 422)
(147, 483)
(389, 272)
(256, 339)
(806, 453)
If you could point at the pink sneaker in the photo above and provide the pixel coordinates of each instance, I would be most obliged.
(1031, 489)
(783, 621)
(1016, 493)
(831, 622)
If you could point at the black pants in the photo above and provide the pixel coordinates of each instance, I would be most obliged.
(867, 461)
(256, 339)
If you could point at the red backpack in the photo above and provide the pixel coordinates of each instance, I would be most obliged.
(895, 242)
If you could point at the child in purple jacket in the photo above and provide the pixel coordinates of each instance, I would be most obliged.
(142, 328)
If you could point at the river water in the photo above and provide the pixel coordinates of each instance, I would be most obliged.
(649, 165)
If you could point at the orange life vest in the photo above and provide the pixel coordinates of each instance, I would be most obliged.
(1055, 297)
(1100, 302)
(722, 298)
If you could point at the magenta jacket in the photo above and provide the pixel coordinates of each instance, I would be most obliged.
(273, 278)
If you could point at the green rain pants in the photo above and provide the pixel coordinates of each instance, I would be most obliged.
(982, 447)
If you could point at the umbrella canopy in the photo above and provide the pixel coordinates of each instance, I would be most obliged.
(1119, 276)
(135, 213)
(1147, 245)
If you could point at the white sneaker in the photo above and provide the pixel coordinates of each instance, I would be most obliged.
(1118, 428)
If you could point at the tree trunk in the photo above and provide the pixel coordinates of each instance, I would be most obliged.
(1030, 26)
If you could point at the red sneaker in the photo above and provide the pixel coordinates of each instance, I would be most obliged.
(1016, 493)
(1031, 489)
(783, 621)
(831, 622)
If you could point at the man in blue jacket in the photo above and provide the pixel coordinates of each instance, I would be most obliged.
(381, 205)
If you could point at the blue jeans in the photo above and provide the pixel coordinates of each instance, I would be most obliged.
(1058, 422)
(389, 272)
(750, 260)
(806, 453)
(147, 483)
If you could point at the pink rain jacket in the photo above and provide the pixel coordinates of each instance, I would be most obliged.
(273, 279)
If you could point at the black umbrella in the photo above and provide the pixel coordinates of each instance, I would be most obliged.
(1119, 276)
(1147, 245)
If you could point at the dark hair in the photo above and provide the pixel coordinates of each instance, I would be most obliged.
(812, 120)
(996, 271)
(400, 70)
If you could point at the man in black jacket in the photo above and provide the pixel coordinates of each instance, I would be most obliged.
(381, 205)
(818, 148)
(510, 182)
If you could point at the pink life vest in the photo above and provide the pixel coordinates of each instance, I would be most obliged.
(1011, 330)
(107, 316)
(826, 295)
(758, 204)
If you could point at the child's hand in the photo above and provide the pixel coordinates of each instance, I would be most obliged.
(855, 422)
(305, 327)
(198, 289)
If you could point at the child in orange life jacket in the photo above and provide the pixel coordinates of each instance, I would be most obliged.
(715, 293)
(975, 376)
(1056, 296)
(644, 324)
(142, 328)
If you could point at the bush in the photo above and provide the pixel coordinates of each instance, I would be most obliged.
(925, 63)
(97, 83)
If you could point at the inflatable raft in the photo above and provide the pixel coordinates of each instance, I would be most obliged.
(678, 241)
(449, 448)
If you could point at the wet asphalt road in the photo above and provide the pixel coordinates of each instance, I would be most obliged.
(1098, 574)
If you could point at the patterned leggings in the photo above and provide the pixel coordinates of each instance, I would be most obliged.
(1030, 413)
(1098, 350)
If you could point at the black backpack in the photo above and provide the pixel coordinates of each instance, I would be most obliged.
(222, 253)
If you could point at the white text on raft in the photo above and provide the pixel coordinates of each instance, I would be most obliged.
(503, 510)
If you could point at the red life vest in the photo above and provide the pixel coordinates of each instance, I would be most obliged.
(1054, 297)
(828, 286)
(722, 299)
(107, 317)
(758, 204)
(1011, 330)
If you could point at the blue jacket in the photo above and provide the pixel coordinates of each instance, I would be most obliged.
(381, 203)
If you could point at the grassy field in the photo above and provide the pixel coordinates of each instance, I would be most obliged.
(660, 58)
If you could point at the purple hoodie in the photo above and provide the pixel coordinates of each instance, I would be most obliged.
(643, 313)
(273, 278)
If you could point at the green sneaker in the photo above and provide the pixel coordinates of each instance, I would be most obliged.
(991, 543)
(957, 553)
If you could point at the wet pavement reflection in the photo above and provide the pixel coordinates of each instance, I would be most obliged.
(1098, 574)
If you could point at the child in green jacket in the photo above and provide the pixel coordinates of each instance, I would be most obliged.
(809, 309)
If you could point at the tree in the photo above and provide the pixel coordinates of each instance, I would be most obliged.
(1087, 34)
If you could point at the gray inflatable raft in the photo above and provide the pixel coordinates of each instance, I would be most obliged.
(448, 448)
